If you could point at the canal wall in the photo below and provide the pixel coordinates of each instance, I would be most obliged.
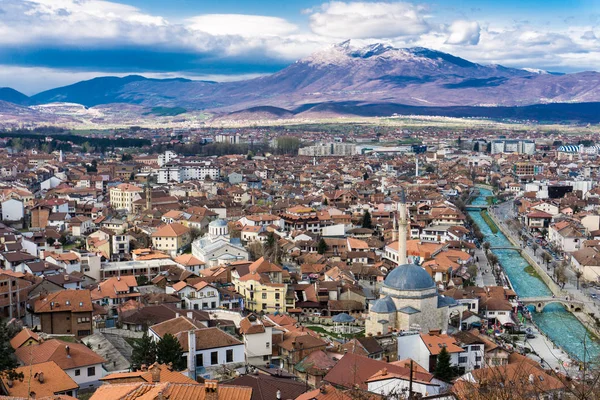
(554, 288)
(583, 317)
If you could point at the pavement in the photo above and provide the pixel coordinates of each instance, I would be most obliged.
(548, 354)
(483, 278)
(504, 212)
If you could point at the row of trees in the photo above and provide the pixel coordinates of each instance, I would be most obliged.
(168, 350)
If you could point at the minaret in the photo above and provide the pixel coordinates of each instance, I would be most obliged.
(402, 228)
(395, 231)
(416, 166)
(60, 156)
(148, 196)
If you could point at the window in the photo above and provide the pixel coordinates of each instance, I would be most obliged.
(462, 360)
(229, 356)
(477, 358)
(91, 371)
(277, 296)
(264, 296)
(214, 358)
(199, 360)
(77, 372)
(264, 306)
(268, 345)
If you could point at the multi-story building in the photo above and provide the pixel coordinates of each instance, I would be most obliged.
(522, 146)
(186, 170)
(263, 287)
(122, 196)
(171, 238)
(328, 149)
(66, 312)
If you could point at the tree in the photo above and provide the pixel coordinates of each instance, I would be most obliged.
(126, 157)
(534, 247)
(143, 353)
(50, 241)
(325, 201)
(443, 367)
(195, 233)
(365, 176)
(366, 220)
(578, 275)
(547, 258)
(486, 246)
(255, 249)
(169, 350)
(141, 280)
(322, 247)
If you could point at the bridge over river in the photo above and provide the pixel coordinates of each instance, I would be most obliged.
(540, 302)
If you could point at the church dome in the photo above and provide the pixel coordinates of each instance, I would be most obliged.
(384, 305)
(409, 277)
(218, 223)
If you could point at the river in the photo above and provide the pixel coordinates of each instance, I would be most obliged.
(562, 327)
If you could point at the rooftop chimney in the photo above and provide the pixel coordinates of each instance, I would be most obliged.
(68, 350)
(212, 390)
(191, 359)
(155, 372)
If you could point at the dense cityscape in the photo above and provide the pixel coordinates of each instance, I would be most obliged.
(299, 200)
(426, 261)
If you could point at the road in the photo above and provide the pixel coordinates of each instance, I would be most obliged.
(503, 213)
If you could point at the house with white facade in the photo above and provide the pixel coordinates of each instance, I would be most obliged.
(424, 348)
(258, 339)
(12, 210)
(201, 296)
(207, 351)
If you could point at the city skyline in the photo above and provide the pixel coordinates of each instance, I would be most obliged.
(48, 43)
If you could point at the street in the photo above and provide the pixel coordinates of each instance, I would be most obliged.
(504, 212)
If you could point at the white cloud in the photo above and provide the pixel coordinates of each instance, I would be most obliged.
(357, 20)
(241, 25)
(464, 33)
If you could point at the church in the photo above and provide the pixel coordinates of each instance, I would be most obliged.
(217, 247)
(409, 298)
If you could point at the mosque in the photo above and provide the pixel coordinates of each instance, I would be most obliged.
(409, 297)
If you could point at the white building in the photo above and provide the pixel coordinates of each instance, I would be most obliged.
(12, 210)
(424, 348)
(328, 149)
(201, 296)
(217, 247)
(258, 337)
(182, 171)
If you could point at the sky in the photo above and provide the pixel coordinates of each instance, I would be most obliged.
(50, 43)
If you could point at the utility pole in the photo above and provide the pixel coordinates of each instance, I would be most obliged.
(410, 381)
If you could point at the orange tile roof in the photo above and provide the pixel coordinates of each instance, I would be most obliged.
(113, 287)
(55, 380)
(23, 337)
(171, 230)
(188, 259)
(170, 391)
(65, 300)
(166, 375)
(435, 342)
(78, 355)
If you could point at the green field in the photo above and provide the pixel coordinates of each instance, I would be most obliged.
(488, 220)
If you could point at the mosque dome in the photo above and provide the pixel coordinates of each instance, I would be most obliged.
(385, 305)
(409, 277)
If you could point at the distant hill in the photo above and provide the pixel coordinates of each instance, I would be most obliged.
(345, 80)
(13, 96)
(103, 90)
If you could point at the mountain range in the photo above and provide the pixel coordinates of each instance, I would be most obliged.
(343, 77)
